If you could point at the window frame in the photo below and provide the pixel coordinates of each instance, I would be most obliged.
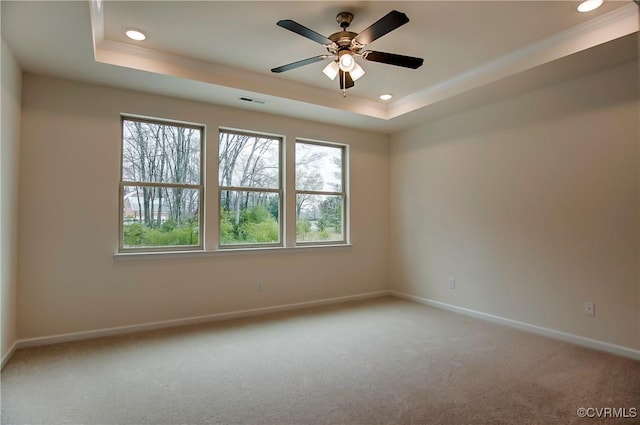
(280, 191)
(200, 187)
(344, 184)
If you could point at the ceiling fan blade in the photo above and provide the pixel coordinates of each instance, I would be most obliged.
(382, 26)
(393, 59)
(298, 64)
(303, 31)
(345, 80)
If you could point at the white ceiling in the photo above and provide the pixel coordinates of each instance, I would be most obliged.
(219, 51)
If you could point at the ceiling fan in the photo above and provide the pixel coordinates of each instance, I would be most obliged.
(344, 45)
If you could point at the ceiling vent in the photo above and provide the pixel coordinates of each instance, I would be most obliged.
(253, 100)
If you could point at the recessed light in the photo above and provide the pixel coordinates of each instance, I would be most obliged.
(385, 96)
(589, 5)
(135, 35)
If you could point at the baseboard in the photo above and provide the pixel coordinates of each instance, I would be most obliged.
(563, 336)
(121, 330)
(6, 357)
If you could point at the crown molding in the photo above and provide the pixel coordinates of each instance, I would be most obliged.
(96, 12)
(150, 60)
(612, 25)
(617, 23)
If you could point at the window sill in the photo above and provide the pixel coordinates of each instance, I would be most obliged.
(224, 251)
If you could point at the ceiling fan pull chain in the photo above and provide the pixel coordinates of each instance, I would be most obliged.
(344, 84)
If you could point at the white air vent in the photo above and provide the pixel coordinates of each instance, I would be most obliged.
(253, 100)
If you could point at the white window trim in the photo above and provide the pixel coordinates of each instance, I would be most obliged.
(206, 248)
(143, 255)
(280, 191)
(200, 187)
(345, 241)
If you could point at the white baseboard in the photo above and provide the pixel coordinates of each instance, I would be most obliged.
(121, 330)
(563, 336)
(8, 354)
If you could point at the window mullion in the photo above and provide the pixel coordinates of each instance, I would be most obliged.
(249, 189)
(167, 185)
(319, 192)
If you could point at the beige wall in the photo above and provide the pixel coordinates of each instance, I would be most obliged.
(9, 159)
(531, 204)
(69, 173)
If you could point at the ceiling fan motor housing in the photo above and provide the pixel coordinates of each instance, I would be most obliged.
(344, 40)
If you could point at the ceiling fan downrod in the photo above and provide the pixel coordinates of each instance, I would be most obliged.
(344, 19)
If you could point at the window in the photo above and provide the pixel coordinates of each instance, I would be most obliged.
(250, 185)
(320, 193)
(161, 188)
(162, 194)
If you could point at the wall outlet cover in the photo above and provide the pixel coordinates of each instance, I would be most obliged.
(589, 309)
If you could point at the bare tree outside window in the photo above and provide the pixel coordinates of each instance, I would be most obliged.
(162, 188)
(161, 185)
(320, 193)
(249, 175)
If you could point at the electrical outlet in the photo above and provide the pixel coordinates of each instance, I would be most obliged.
(260, 285)
(452, 283)
(590, 309)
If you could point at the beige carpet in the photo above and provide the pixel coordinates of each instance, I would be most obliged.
(382, 361)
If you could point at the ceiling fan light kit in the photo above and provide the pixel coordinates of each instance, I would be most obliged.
(346, 61)
(343, 46)
(331, 70)
(356, 72)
